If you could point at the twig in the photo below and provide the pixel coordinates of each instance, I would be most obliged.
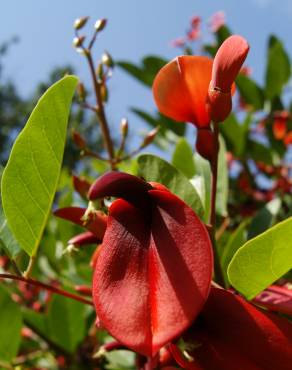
(100, 111)
(47, 287)
(212, 221)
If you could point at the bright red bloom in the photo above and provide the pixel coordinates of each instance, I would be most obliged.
(153, 271)
(195, 89)
(232, 334)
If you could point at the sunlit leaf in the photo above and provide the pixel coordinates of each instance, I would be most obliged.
(30, 178)
(222, 181)
(182, 158)
(262, 260)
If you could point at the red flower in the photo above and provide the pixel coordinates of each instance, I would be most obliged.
(153, 271)
(195, 89)
(279, 128)
(232, 334)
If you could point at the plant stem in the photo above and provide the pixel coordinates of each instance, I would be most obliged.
(212, 220)
(47, 287)
(100, 111)
(29, 269)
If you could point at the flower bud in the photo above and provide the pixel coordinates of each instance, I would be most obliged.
(78, 140)
(81, 92)
(81, 185)
(219, 104)
(80, 22)
(124, 127)
(150, 137)
(100, 24)
(78, 41)
(206, 145)
(107, 60)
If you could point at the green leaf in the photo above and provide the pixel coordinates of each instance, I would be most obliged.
(235, 241)
(10, 326)
(182, 158)
(7, 240)
(202, 182)
(278, 68)
(235, 134)
(262, 260)
(30, 178)
(222, 181)
(153, 168)
(64, 324)
(251, 93)
(145, 72)
(259, 152)
(264, 218)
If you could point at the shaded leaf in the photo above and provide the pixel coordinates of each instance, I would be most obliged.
(10, 326)
(145, 72)
(163, 122)
(278, 68)
(30, 178)
(251, 93)
(63, 324)
(235, 241)
(262, 260)
(264, 218)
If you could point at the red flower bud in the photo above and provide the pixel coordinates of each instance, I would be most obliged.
(227, 64)
(81, 185)
(206, 145)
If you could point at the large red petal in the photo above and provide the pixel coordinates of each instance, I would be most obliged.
(181, 267)
(121, 278)
(232, 334)
(152, 277)
(180, 89)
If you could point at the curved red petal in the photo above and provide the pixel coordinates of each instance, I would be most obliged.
(84, 238)
(96, 224)
(180, 89)
(152, 278)
(228, 62)
(120, 185)
(232, 333)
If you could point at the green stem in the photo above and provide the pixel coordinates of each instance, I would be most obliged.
(212, 220)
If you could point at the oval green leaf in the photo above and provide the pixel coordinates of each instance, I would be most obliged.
(153, 168)
(262, 260)
(30, 178)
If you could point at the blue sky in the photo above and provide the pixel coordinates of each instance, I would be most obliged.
(136, 28)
